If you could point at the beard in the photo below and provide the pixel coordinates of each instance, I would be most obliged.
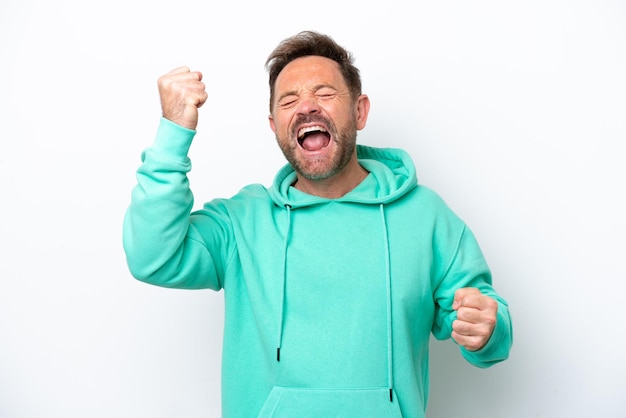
(324, 166)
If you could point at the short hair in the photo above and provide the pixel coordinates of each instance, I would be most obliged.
(310, 43)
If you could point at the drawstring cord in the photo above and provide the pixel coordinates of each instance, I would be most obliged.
(284, 283)
(389, 319)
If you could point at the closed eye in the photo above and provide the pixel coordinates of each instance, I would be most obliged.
(286, 104)
(287, 101)
(325, 93)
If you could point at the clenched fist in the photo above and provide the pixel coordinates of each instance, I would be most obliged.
(182, 93)
(476, 318)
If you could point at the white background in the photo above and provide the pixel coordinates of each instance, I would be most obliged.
(515, 112)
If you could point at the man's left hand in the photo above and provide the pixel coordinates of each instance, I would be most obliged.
(476, 318)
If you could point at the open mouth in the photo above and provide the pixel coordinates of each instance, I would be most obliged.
(313, 138)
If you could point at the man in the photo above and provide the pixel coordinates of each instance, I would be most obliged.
(335, 276)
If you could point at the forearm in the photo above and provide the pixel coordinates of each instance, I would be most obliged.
(158, 240)
(468, 276)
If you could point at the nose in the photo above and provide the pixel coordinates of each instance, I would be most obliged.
(308, 105)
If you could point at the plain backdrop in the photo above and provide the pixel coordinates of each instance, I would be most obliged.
(514, 112)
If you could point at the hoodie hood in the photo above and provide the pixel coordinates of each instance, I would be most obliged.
(392, 175)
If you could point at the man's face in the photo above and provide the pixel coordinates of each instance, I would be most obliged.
(315, 118)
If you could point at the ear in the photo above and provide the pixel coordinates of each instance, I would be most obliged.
(272, 124)
(362, 109)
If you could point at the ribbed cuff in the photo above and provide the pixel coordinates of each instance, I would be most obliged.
(173, 139)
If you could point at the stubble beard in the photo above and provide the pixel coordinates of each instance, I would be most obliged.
(327, 166)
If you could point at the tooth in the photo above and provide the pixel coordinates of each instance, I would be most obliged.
(302, 131)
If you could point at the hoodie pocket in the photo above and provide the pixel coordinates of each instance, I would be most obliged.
(285, 402)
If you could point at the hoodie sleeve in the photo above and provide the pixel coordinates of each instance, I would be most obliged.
(162, 242)
(467, 268)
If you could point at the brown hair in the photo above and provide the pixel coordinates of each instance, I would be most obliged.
(309, 43)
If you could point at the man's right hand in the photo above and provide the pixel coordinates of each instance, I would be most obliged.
(182, 93)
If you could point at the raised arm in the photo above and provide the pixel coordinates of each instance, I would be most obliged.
(162, 245)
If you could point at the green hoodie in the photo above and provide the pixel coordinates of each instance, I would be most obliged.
(329, 303)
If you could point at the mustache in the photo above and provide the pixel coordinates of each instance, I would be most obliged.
(308, 119)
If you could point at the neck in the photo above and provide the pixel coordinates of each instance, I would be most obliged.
(334, 187)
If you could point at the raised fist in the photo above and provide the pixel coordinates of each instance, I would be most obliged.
(182, 92)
